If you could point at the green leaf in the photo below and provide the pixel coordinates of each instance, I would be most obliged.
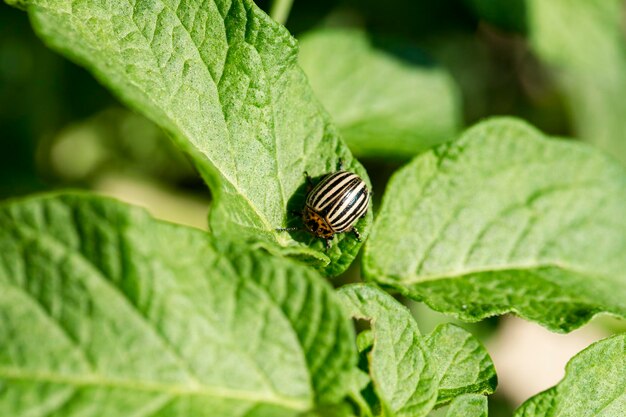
(342, 410)
(594, 385)
(399, 365)
(221, 78)
(384, 107)
(461, 362)
(588, 63)
(506, 220)
(106, 311)
(412, 373)
(469, 405)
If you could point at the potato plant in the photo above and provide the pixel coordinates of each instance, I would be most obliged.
(107, 311)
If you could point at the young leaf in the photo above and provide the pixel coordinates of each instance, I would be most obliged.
(469, 405)
(594, 385)
(461, 363)
(506, 220)
(412, 373)
(382, 106)
(105, 311)
(400, 368)
(221, 77)
(589, 64)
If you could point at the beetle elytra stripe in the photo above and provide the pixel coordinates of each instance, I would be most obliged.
(339, 200)
(329, 187)
(349, 202)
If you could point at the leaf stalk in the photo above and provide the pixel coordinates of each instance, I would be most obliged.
(280, 10)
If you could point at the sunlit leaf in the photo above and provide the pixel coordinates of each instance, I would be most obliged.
(221, 78)
(505, 219)
(105, 311)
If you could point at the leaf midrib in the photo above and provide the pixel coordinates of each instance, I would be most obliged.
(414, 279)
(96, 380)
(262, 218)
(189, 372)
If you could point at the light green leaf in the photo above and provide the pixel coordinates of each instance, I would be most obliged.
(589, 63)
(382, 105)
(105, 311)
(461, 363)
(221, 78)
(403, 377)
(469, 405)
(503, 220)
(594, 385)
(412, 373)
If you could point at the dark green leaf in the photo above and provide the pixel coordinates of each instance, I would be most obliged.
(502, 220)
(506, 14)
(105, 311)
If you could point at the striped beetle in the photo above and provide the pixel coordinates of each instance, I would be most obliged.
(334, 205)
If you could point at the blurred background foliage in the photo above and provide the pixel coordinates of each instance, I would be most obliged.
(482, 57)
(397, 76)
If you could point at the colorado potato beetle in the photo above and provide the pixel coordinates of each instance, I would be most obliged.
(334, 205)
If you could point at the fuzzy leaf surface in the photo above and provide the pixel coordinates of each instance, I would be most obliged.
(403, 376)
(594, 385)
(222, 79)
(106, 311)
(506, 220)
(469, 405)
(461, 362)
(414, 373)
(383, 106)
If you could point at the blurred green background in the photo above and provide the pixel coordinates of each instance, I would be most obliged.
(560, 64)
(61, 128)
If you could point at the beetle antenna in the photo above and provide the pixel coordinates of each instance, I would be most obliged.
(309, 181)
(288, 229)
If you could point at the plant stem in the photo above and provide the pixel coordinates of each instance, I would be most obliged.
(280, 10)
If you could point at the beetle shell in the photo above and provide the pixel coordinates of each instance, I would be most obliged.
(335, 204)
(316, 224)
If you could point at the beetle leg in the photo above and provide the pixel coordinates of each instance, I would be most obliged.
(309, 182)
(356, 233)
(327, 240)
